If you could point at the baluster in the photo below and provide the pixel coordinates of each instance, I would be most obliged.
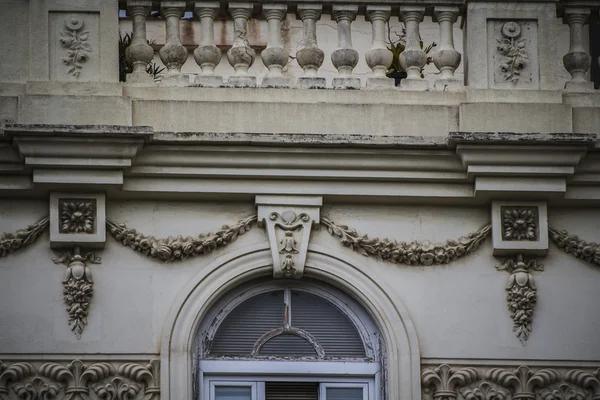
(577, 61)
(207, 54)
(345, 58)
(310, 57)
(446, 58)
(139, 53)
(413, 58)
(241, 55)
(379, 57)
(173, 54)
(275, 57)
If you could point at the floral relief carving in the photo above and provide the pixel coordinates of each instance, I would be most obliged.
(444, 381)
(11, 242)
(77, 287)
(513, 50)
(77, 216)
(290, 224)
(522, 381)
(410, 253)
(75, 41)
(519, 223)
(589, 381)
(178, 248)
(563, 392)
(77, 380)
(571, 244)
(484, 391)
(521, 293)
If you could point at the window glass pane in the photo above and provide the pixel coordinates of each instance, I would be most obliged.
(332, 329)
(247, 323)
(233, 393)
(344, 393)
(288, 345)
(292, 390)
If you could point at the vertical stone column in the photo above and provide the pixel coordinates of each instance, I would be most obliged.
(379, 57)
(139, 53)
(413, 58)
(577, 61)
(173, 54)
(345, 58)
(275, 56)
(446, 58)
(207, 54)
(241, 55)
(310, 57)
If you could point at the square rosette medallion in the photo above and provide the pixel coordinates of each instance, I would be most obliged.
(519, 227)
(77, 219)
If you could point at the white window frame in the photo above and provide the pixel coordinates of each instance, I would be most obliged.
(257, 388)
(364, 386)
(258, 384)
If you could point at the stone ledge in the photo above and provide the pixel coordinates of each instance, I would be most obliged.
(455, 138)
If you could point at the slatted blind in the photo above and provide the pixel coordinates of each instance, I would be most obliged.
(247, 323)
(288, 345)
(292, 391)
(332, 329)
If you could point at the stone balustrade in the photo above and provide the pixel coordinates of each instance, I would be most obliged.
(505, 46)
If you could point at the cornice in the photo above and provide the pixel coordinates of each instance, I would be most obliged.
(135, 162)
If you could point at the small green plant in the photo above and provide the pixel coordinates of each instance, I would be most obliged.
(126, 68)
(398, 45)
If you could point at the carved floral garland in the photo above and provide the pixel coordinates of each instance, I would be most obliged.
(11, 242)
(411, 253)
(571, 244)
(178, 248)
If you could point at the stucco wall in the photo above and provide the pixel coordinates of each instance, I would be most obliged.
(459, 310)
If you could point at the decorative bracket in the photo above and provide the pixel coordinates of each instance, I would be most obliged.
(288, 221)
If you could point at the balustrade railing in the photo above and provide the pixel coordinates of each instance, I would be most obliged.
(513, 47)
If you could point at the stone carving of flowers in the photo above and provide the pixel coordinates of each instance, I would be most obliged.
(77, 217)
(519, 224)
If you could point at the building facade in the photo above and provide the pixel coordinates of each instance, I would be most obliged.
(299, 200)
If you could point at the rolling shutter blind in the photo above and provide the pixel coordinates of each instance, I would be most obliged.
(288, 345)
(291, 391)
(332, 329)
(247, 323)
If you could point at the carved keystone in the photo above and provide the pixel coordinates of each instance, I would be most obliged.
(519, 228)
(77, 219)
(288, 221)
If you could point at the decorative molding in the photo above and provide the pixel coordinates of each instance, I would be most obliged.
(519, 223)
(77, 287)
(75, 41)
(77, 215)
(518, 382)
(288, 221)
(411, 253)
(521, 293)
(571, 244)
(513, 50)
(444, 381)
(178, 248)
(77, 380)
(11, 242)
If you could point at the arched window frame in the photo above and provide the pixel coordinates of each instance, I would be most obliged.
(367, 371)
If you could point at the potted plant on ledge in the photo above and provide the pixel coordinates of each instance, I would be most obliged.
(397, 46)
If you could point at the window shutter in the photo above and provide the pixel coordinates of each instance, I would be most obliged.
(288, 345)
(291, 391)
(247, 323)
(330, 327)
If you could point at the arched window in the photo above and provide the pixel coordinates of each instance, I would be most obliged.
(280, 340)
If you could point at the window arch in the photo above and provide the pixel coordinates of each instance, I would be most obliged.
(268, 338)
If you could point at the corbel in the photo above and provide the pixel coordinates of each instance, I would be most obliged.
(288, 221)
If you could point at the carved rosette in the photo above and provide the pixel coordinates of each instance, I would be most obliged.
(75, 40)
(521, 293)
(513, 50)
(77, 380)
(288, 221)
(77, 287)
(77, 216)
(519, 223)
